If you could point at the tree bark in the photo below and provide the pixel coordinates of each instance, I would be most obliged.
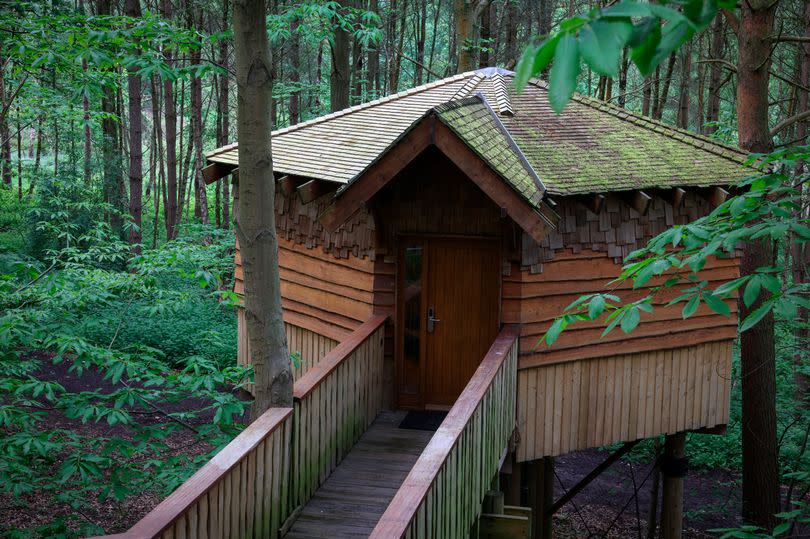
(111, 166)
(715, 74)
(5, 132)
(661, 103)
(255, 220)
(133, 9)
(170, 119)
(88, 138)
(374, 58)
(225, 127)
(295, 76)
(464, 35)
(684, 97)
(760, 454)
(339, 79)
(200, 196)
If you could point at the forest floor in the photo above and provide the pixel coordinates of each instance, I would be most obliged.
(605, 508)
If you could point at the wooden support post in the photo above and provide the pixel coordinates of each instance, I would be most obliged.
(514, 488)
(541, 494)
(673, 468)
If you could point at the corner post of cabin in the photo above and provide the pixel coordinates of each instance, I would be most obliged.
(673, 469)
(541, 495)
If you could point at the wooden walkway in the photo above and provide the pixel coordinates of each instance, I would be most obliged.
(354, 497)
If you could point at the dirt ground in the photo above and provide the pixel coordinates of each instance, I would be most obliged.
(606, 508)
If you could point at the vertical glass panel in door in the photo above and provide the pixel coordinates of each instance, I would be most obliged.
(412, 318)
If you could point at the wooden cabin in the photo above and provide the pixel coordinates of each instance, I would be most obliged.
(439, 231)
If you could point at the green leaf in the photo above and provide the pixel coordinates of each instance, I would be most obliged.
(631, 320)
(752, 290)
(596, 307)
(759, 313)
(554, 331)
(691, 306)
(564, 72)
(601, 43)
(534, 60)
(644, 54)
(716, 304)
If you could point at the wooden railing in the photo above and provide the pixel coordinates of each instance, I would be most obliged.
(442, 495)
(274, 466)
(335, 402)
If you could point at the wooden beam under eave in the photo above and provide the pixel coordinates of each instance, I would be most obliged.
(315, 189)
(288, 184)
(638, 200)
(216, 171)
(594, 202)
(713, 195)
(674, 196)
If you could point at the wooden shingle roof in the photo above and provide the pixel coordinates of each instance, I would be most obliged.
(592, 147)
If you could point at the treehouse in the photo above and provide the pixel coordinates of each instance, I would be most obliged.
(427, 240)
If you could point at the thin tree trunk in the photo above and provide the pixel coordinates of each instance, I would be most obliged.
(715, 74)
(374, 59)
(622, 97)
(224, 87)
(646, 94)
(339, 79)
(295, 76)
(110, 147)
(133, 9)
(487, 43)
(683, 97)
(88, 137)
(19, 157)
(200, 196)
(760, 453)
(170, 119)
(510, 43)
(255, 221)
(5, 131)
(464, 35)
(662, 98)
(421, 37)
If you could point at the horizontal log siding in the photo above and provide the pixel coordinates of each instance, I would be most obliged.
(534, 300)
(274, 466)
(335, 402)
(319, 292)
(586, 403)
(442, 495)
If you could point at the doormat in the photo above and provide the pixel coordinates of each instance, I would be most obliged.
(423, 420)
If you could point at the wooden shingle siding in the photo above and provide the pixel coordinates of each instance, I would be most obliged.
(616, 230)
(534, 300)
(593, 402)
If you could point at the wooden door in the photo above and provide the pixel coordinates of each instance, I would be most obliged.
(449, 316)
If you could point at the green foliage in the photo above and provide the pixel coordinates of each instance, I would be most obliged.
(650, 32)
(151, 330)
(769, 208)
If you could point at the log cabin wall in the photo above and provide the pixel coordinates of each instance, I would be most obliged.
(586, 403)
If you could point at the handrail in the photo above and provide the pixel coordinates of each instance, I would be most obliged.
(331, 361)
(272, 467)
(175, 506)
(443, 491)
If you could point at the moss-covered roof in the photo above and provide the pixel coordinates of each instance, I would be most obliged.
(592, 147)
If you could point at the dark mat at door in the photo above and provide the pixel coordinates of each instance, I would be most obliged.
(423, 420)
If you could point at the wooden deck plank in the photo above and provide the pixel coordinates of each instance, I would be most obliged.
(353, 498)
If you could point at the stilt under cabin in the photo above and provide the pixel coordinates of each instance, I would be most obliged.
(427, 240)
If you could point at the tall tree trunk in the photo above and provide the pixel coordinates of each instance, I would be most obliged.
(662, 98)
(110, 152)
(646, 95)
(224, 87)
(715, 73)
(255, 220)
(760, 453)
(800, 255)
(339, 79)
(200, 196)
(684, 90)
(464, 35)
(19, 156)
(487, 43)
(88, 136)
(421, 36)
(510, 43)
(133, 9)
(621, 99)
(373, 60)
(295, 76)
(170, 119)
(5, 132)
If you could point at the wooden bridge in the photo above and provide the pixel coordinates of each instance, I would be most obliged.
(337, 465)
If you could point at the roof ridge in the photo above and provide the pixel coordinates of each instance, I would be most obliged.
(688, 137)
(355, 108)
(467, 88)
(502, 95)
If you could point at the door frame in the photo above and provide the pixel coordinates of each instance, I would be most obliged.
(402, 240)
